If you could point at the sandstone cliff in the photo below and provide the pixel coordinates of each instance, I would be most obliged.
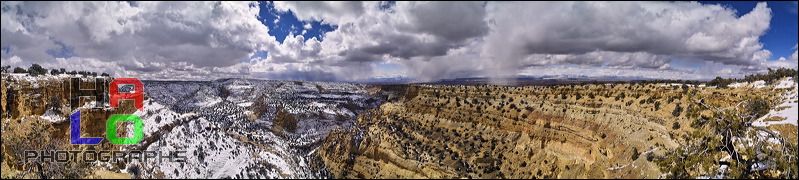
(577, 131)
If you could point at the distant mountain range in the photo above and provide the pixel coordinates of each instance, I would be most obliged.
(518, 80)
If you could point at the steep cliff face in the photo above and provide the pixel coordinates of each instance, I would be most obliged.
(588, 131)
(36, 114)
(54, 98)
(239, 128)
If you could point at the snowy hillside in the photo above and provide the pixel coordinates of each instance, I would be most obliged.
(226, 126)
(787, 109)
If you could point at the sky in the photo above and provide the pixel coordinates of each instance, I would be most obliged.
(423, 41)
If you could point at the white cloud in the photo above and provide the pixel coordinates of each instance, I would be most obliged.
(415, 29)
(782, 62)
(790, 62)
(406, 31)
(331, 12)
(32, 48)
(678, 29)
(200, 33)
(576, 71)
(295, 49)
(725, 71)
(431, 40)
(514, 35)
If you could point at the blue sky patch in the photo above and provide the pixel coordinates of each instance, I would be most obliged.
(281, 24)
(64, 52)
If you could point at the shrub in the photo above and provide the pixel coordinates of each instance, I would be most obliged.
(36, 70)
(134, 170)
(677, 110)
(657, 105)
(20, 70)
(757, 107)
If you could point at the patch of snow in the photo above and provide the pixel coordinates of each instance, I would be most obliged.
(207, 102)
(620, 167)
(791, 113)
(759, 166)
(726, 158)
(152, 111)
(757, 84)
(316, 104)
(651, 150)
(677, 84)
(722, 168)
(237, 87)
(51, 116)
(785, 83)
(245, 104)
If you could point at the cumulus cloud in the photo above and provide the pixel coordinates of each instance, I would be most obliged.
(406, 30)
(331, 12)
(790, 62)
(378, 33)
(566, 71)
(310, 71)
(514, 35)
(202, 34)
(295, 49)
(33, 48)
(677, 29)
(430, 40)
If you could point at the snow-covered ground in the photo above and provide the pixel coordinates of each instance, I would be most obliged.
(226, 125)
(157, 116)
(678, 85)
(756, 84)
(787, 109)
(52, 116)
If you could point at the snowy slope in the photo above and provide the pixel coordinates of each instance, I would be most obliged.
(215, 122)
(787, 109)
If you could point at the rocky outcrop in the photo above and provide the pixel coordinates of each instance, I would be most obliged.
(284, 122)
(588, 131)
(42, 105)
